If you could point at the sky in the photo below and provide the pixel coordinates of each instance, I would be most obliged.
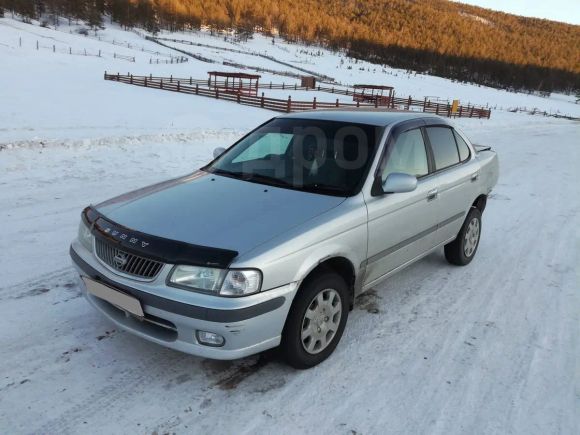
(567, 11)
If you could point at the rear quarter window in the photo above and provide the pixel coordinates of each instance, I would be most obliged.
(462, 146)
(444, 148)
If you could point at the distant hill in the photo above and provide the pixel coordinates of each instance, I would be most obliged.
(436, 36)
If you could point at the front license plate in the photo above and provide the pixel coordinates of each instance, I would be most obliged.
(115, 297)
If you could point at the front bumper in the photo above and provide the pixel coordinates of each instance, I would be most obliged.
(249, 324)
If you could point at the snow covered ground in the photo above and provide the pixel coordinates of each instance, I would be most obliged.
(490, 348)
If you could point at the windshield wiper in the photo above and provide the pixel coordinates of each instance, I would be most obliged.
(233, 174)
(266, 179)
(321, 187)
(251, 177)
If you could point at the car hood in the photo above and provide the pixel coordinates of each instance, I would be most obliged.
(215, 211)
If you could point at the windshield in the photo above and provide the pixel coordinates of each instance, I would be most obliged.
(325, 157)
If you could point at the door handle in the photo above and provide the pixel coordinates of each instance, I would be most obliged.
(475, 176)
(432, 194)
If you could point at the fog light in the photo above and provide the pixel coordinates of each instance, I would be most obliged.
(210, 338)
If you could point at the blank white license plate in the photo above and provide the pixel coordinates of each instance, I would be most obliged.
(115, 297)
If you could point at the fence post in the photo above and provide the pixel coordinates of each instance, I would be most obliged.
(393, 101)
(314, 103)
(282, 85)
(131, 80)
(118, 77)
(337, 102)
(471, 113)
(295, 86)
(488, 113)
(289, 103)
(99, 53)
(460, 110)
(409, 101)
(238, 98)
(196, 89)
(70, 50)
(53, 48)
(448, 110)
(105, 75)
(437, 109)
(161, 84)
(37, 45)
(270, 85)
(190, 81)
(424, 104)
(145, 81)
(217, 93)
(171, 78)
(376, 103)
(178, 86)
(358, 104)
(262, 100)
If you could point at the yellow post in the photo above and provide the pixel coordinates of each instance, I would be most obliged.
(454, 107)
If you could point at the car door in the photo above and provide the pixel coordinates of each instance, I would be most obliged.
(401, 226)
(455, 174)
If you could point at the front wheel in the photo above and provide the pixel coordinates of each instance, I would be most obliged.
(316, 321)
(462, 250)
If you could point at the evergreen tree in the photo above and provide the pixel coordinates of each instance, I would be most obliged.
(449, 39)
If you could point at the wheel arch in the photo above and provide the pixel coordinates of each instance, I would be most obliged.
(340, 265)
(480, 203)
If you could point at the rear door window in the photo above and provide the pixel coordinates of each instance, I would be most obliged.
(444, 148)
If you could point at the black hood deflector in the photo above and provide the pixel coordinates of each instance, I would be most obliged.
(156, 248)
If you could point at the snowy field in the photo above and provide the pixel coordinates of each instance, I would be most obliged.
(489, 348)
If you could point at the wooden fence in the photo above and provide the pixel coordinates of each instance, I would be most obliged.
(120, 56)
(172, 60)
(84, 52)
(403, 103)
(200, 87)
(245, 52)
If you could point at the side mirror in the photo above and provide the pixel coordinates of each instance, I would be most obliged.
(399, 183)
(218, 152)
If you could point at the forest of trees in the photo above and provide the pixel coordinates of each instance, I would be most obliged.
(439, 37)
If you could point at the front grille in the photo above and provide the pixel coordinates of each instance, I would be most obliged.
(125, 262)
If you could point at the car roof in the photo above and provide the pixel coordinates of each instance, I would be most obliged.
(376, 117)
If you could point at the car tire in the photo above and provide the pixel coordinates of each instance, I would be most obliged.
(462, 250)
(315, 323)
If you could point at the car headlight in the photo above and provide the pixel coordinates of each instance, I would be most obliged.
(199, 278)
(219, 281)
(85, 236)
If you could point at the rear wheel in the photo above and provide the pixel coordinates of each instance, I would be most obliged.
(462, 250)
(316, 321)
